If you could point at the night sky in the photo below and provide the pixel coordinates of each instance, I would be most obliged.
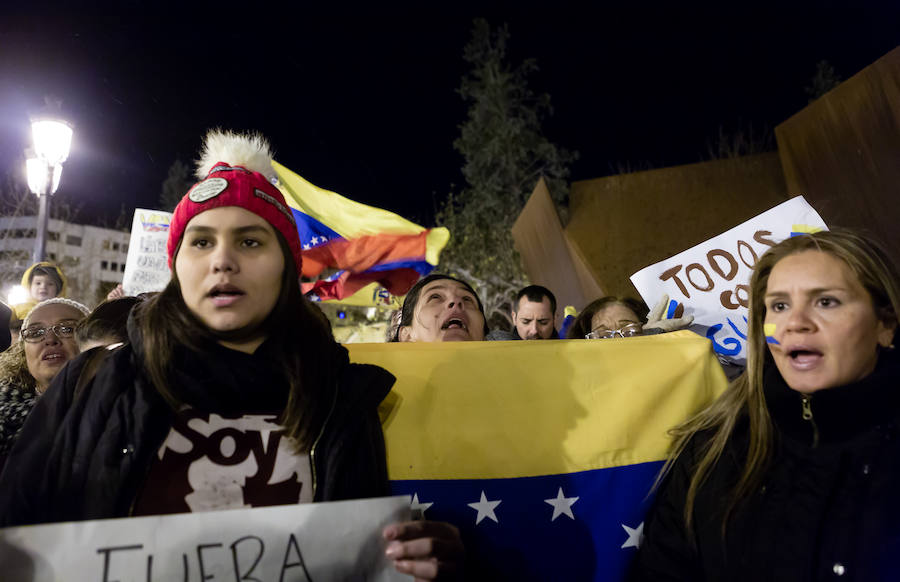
(361, 98)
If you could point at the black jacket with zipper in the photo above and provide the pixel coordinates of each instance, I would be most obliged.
(827, 508)
(86, 456)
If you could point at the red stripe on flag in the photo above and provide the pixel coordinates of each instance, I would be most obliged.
(361, 254)
(396, 281)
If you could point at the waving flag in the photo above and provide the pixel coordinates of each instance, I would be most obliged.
(362, 244)
(542, 453)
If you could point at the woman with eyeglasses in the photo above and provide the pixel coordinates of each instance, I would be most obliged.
(46, 343)
(611, 317)
(229, 347)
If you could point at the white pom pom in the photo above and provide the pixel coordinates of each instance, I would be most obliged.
(249, 150)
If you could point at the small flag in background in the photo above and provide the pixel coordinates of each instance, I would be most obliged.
(541, 453)
(363, 244)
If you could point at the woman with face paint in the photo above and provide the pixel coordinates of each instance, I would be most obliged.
(793, 473)
(229, 345)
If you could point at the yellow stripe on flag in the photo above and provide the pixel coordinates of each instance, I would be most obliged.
(348, 218)
(519, 409)
(372, 295)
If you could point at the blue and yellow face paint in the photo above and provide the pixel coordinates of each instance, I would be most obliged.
(769, 330)
(801, 229)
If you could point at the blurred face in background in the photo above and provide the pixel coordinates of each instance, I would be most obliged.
(534, 320)
(445, 311)
(615, 320)
(43, 287)
(47, 352)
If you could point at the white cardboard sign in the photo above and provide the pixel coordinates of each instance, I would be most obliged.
(712, 278)
(146, 267)
(300, 543)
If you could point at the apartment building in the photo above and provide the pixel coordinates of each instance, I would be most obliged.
(92, 258)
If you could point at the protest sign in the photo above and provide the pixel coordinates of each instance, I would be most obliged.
(712, 279)
(321, 542)
(146, 268)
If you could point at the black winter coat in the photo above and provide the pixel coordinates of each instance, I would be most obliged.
(86, 456)
(828, 507)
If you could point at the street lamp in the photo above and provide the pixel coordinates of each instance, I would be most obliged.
(52, 139)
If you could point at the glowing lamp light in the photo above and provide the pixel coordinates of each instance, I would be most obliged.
(17, 295)
(38, 173)
(52, 140)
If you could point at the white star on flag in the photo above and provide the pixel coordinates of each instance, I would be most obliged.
(314, 240)
(562, 505)
(485, 508)
(305, 247)
(417, 506)
(634, 536)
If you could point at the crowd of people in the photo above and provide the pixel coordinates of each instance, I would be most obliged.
(789, 475)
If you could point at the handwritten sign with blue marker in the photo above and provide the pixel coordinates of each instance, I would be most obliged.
(712, 279)
(301, 543)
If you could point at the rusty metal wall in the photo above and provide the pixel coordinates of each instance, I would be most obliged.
(548, 256)
(622, 223)
(842, 152)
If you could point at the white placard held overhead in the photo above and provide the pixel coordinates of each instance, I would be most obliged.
(300, 543)
(712, 279)
(146, 268)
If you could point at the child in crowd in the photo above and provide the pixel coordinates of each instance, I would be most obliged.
(42, 281)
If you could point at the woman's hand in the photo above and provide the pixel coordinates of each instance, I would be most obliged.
(426, 550)
(658, 318)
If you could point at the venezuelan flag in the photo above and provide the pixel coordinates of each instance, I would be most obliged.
(542, 453)
(363, 243)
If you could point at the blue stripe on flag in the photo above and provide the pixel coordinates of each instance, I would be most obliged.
(312, 232)
(526, 543)
(421, 266)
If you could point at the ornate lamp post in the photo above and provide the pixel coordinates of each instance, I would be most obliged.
(52, 139)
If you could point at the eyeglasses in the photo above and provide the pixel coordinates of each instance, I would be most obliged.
(632, 329)
(36, 334)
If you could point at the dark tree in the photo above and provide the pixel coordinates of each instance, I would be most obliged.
(504, 152)
(824, 80)
(176, 185)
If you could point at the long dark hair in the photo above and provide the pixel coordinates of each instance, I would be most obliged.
(302, 342)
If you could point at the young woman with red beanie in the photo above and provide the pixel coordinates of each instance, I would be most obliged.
(230, 348)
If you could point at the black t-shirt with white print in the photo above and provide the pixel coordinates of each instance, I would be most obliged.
(210, 462)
